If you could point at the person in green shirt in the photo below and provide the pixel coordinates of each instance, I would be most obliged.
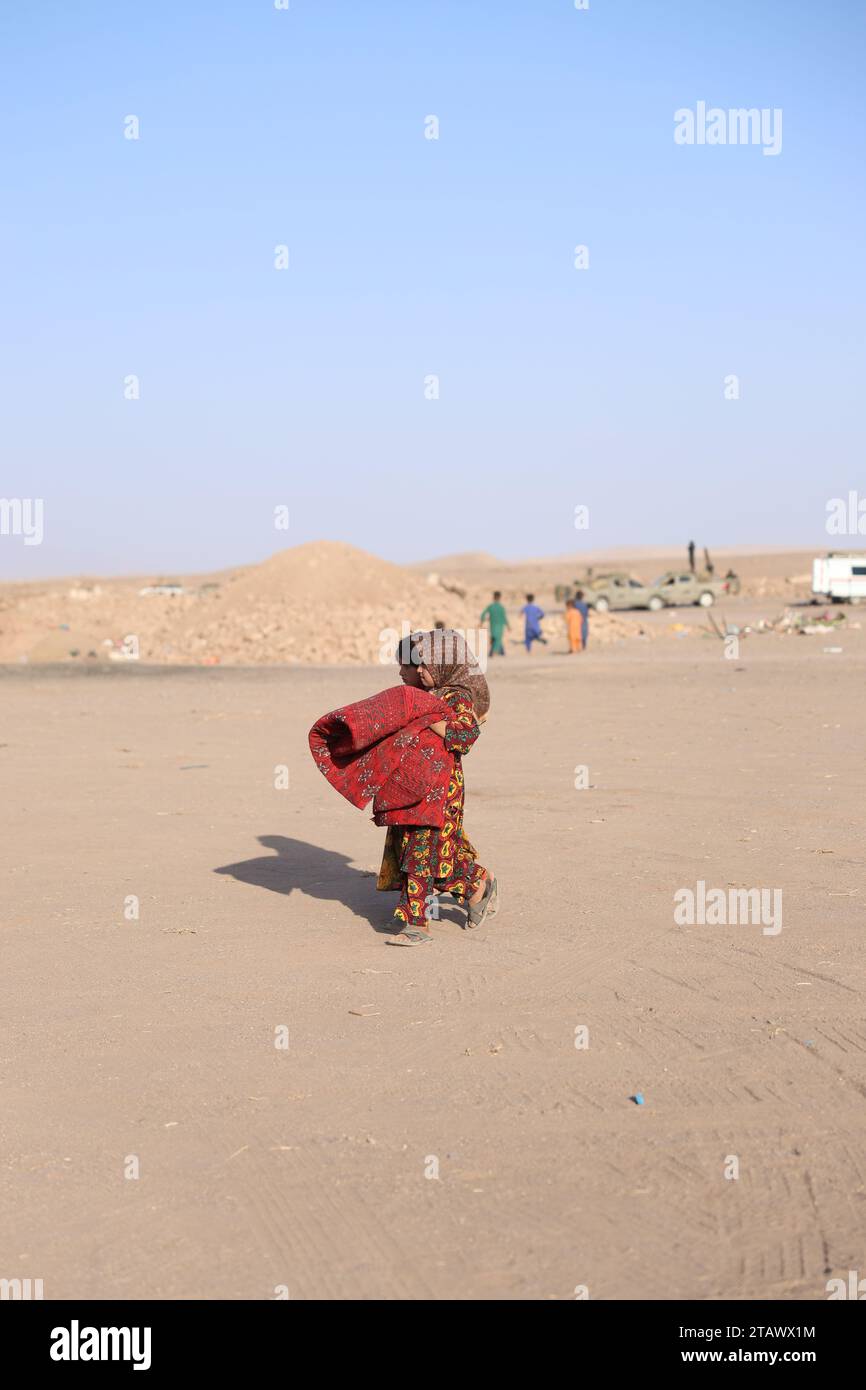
(497, 618)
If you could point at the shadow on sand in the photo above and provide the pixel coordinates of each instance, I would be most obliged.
(320, 873)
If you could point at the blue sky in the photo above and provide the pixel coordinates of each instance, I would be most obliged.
(411, 257)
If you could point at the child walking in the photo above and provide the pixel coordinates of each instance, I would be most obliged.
(532, 616)
(423, 861)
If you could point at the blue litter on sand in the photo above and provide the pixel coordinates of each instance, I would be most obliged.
(638, 1098)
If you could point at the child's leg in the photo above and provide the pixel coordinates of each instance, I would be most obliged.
(417, 884)
(466, 881)
(415, 898)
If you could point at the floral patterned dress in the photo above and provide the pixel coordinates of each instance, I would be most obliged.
(423, 862)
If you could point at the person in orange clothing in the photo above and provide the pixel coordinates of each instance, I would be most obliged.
(574, 625)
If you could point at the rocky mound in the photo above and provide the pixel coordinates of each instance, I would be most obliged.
(323, 602)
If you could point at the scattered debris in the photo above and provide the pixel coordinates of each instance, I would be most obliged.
(808, 624)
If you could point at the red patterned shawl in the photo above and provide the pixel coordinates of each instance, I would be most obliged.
(381, 749)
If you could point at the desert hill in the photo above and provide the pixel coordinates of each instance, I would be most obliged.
(323, 602)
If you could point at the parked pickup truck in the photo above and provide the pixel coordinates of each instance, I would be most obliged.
(675, 589)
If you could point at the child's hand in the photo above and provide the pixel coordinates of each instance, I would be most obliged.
(480, 718)
(439, 727)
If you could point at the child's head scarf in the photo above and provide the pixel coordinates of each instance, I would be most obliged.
(450, 661)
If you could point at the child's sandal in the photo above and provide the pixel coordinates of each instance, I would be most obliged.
(487, 906)
(409, 937)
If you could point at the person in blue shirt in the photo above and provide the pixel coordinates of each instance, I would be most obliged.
(532, 616)
(582, 607)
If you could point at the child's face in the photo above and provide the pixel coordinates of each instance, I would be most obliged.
(418, 676)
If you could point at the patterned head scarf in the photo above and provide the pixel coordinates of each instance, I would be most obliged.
(450, 661)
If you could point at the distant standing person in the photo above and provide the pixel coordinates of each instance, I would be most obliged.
(497, 619)
(692, 556)
(582, 607)
(574, 626)
(532, 616)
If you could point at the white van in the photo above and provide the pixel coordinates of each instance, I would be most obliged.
(841, 578)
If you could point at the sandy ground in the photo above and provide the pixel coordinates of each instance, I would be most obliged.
(305, 1167)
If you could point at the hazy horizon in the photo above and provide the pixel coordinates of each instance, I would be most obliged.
(576, 557)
